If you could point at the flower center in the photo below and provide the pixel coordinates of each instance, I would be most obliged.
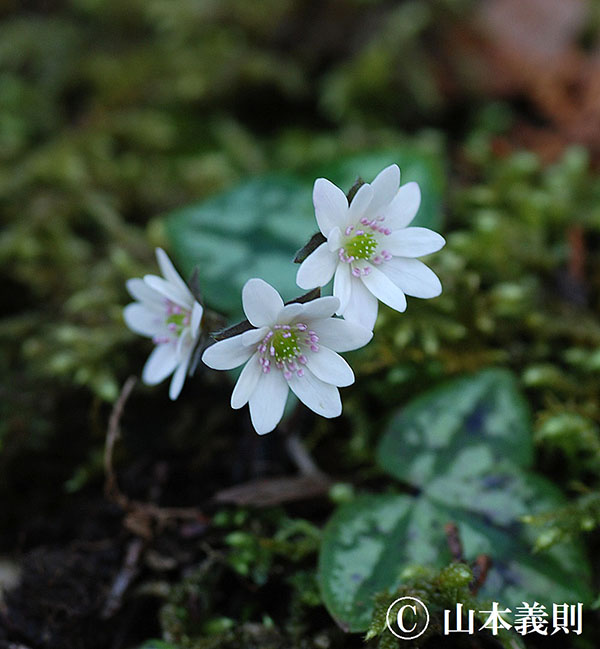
(283, 346)
(177, 319)
(361, 246)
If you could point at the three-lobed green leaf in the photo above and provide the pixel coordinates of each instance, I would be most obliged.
(467, 447)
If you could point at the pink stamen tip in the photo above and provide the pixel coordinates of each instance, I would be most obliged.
(300, 373)
(356, 272)
(376, 260)
(387, 231)
(381, 218)
(287, 374)
(172, 327)
(314, 348)
(359, 232)
(266, 369)
(364, 220)
(287, 334)
(302, 359)
(301, 327)
(272, 351)
(349, 229)
(366, 270)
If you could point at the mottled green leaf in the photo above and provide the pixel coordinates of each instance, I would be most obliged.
(369, 542)
(253, 230)
(466, 427)
(467, 447)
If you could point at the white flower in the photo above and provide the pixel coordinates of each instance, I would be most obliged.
(167, 312)
(369, 247)
(293, 347)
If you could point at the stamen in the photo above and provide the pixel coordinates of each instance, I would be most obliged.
(282, 348)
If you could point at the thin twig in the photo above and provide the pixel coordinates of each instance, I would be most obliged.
(480, 567)
(111, 488)
(125, 576)
(454, 542)
(301, 457)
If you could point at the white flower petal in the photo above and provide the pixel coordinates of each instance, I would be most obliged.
(362, 306)
(331, 205)
(385, 186)
(329, 367)
(402, 210)
(161, 362)
(197, 311)
(290, 313)
(169, 272)
(341, 335)
(413, 242)
(170, 291)
(413, 277)
(267, 401)
(384, 289)
(253, 336)
(342, 285)
(227, 354)
(139, 290)
(322, 398)
(139, 318)
(180, 374)
(317, 269)
(359, 203)
(261, 302)
(334, 240)
(246, 383)
(322, 307)
(183, 343)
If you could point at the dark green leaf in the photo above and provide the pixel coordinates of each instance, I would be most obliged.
(253, 230)
(467, 446)
(466, 427)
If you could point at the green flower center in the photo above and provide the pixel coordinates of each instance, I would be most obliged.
(361, 246)
(285, 344)
(177, 319)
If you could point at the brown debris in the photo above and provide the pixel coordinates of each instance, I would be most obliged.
(532, 50)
